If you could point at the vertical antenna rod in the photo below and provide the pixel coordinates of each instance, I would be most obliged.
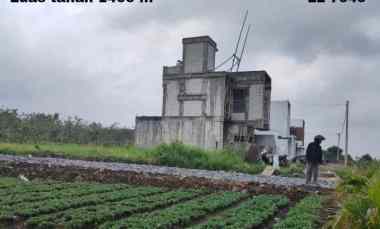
(238, 42)
(244, 45)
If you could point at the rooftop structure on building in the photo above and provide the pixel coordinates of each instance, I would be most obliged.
(207, 108)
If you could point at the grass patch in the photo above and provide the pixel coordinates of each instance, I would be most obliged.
(359, 194)
(292, 170)
(174, 155)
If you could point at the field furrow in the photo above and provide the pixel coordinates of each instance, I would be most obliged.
(178, 215)
(250, 213)
(91, 216)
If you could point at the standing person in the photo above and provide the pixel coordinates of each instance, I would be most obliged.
(313, 159)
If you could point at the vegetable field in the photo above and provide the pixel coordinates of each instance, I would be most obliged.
(52, 204)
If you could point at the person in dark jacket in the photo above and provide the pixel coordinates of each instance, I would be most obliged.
(313, 159)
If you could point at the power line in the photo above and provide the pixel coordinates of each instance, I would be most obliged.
(318, 104)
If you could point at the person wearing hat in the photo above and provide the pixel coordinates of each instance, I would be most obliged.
(313, 159)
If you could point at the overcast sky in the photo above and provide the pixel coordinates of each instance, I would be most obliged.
(103, 62)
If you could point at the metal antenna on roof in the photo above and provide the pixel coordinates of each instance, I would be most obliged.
(235, 57)
(243, 49)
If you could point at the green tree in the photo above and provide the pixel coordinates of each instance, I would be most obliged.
(41, 128)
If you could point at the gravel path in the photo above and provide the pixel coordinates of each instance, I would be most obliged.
(163, 170)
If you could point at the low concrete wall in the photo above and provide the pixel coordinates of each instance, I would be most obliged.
(148, 131)
(203, 132)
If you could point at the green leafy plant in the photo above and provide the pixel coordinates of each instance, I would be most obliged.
(91, 216)
(29, 209)
(250, 214)
(292, 170)
(303, 216)
(178, 215)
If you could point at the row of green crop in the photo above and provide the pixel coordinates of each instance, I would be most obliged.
(250, 214)
(91, 216)
(69, 192)
(303, 216)
(8, 182)
(56, 205)
(178, 215)
(36, 187)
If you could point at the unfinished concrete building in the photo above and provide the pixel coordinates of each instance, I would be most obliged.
(207, 108)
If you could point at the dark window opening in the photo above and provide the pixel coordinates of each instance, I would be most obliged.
(250, 139)
(241, 138)
(239, 100)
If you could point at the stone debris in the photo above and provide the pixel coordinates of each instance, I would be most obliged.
(152, 170)
(23, 178)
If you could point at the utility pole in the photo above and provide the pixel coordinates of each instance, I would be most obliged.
(338, 145)
(346, 146)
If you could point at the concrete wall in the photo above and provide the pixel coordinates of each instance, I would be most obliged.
(238, 136)
(203, 132)
(199, 54)
(192, 108)
(171, 103)
(194, 57)
(258, 84)
(280, 118)
(211, 58)
(292, 148)
(267, 105)
(283, 146)
(194, 86)
(256, 102)
(148, 131)
(200, 97)
(216, 90)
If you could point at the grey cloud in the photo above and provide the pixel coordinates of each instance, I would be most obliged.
(298, 29)
(104, 63)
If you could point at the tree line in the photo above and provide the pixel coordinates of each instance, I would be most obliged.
(43, 128)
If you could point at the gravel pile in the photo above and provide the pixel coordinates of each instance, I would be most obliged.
(168, 171)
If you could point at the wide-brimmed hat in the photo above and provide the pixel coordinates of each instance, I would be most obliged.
(319, 137)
